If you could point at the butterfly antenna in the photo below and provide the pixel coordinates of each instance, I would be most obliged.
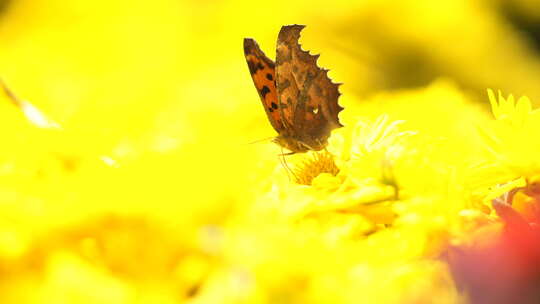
(260, 140)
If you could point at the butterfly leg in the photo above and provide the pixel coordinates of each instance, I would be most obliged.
(283, 162)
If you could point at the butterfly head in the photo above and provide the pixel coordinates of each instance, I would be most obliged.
(299, 146)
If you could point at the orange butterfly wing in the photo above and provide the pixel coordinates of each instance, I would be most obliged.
(263, 73)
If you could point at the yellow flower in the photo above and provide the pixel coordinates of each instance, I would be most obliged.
(311, 167)
(511, 160)
(377, 225)
(506, 109)
(510, 138)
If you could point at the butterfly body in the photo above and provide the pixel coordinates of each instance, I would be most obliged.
(299, 98)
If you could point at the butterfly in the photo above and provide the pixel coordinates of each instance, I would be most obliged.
(301, 102)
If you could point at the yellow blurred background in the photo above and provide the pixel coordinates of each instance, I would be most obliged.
(128, 202)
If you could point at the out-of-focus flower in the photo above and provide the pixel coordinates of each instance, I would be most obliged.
(503, 266)
(511, 157)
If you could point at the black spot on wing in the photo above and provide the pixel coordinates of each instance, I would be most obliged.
(269, 77)
(274, 105)
(265, 90)
(270, 109)
(252, 67)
